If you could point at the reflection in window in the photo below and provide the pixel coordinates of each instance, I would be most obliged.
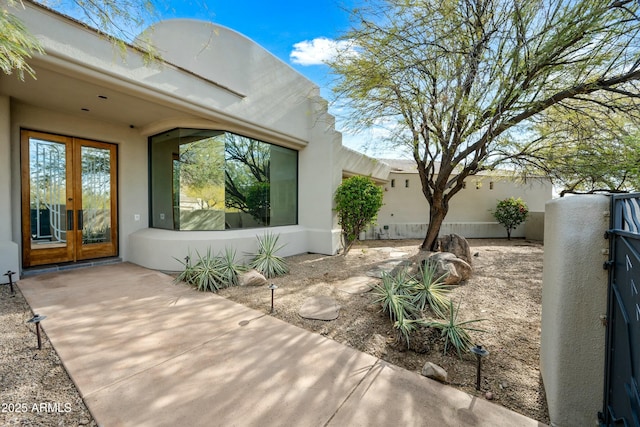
(214, 180)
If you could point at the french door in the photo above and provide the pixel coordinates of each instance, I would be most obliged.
(69, 199)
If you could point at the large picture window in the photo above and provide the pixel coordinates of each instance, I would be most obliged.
(216, 180)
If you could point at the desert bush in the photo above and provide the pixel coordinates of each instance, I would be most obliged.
(358, 200)
(265, 259)
(510, 213)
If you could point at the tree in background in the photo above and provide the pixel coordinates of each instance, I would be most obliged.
(456, 82)
(358, 200)
(510, 213)
(585, 148)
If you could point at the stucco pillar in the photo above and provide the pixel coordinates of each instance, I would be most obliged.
(9, 252)
(574, 297)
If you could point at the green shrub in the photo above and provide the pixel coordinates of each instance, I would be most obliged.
(265, 259)
(358, 200)
(510, 213)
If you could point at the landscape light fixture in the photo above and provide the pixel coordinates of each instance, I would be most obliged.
(10, 274)
(273, 288)
(37, 319)
(480, 353)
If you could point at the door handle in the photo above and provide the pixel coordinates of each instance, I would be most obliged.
(80, 219)
(69, 219)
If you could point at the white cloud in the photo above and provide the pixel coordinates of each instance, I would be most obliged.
(318, 51)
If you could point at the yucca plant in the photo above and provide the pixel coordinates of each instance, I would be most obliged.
(405, 327)
(431, 290)
(265, 259)
(454, 332)
(230, 269)
(393, 294)
(207, 273)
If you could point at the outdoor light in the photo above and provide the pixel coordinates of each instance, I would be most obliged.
(10, 274)
(37, 319)
(273, 288)
(480, 353)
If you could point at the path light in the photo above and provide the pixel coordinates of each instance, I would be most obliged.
(10, 274)
(37, 319)
(273, 288)
(480, 353)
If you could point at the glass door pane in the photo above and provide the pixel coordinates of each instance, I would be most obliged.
(48, 193)
(96, 192)
(47, 199)
(95, 218)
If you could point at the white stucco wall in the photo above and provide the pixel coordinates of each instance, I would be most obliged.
(406, 211)
(574, 297)
(213, 78)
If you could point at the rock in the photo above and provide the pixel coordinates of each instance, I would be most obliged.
(435, 372)
(456, 245)
(356, 285)
(252, 278)
(488, 395)
(319, 308)
(377, 345)
(456, 269)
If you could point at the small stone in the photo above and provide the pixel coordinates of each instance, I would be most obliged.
(488, 395)
(84, 422)
(433, 371)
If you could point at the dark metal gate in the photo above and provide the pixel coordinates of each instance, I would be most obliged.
(622, 370)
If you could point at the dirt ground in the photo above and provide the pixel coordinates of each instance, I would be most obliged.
(506, 290)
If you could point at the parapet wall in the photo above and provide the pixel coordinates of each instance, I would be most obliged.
(574, 299)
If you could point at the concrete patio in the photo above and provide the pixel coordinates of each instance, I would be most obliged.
(145, 352)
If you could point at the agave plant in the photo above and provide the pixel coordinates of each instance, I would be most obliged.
(229, 269)
(431, 290)
(455, 332)
(265, 260)
(393, 294)
(207, 273)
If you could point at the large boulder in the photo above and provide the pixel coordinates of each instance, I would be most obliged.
(252, 278)
(456, 245)
(456, 269)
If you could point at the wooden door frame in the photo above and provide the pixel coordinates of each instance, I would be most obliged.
(74, 250)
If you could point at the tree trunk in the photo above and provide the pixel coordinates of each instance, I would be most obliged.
(436, 217)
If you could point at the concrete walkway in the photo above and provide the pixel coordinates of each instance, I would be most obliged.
(145, 352)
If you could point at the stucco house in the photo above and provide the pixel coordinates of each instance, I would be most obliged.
(106, 156)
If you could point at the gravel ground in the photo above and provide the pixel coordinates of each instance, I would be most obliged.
(35, 389)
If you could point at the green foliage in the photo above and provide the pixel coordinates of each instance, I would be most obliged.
(16, 44)
(457, 81)
(358, 200)
(510, 213)
(586, 147)
(430, 290)
(455, 332)
(211, 273)
(394, 296)
(405, 298)
(265, 259)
